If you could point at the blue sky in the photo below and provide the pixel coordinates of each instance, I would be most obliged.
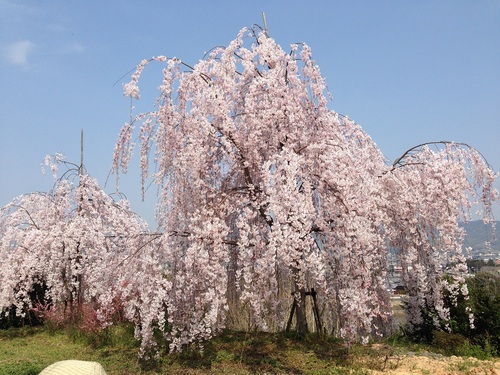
(407, 71)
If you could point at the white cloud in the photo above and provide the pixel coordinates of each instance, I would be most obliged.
(16, 7)
(17, 53)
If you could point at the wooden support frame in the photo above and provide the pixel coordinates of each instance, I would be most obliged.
(317, 318)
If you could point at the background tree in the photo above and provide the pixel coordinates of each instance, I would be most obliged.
(265, 191)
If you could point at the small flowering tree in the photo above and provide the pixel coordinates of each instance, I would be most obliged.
(265, 191)
(85, 248)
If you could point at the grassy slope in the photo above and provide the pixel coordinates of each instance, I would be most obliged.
(27, 351)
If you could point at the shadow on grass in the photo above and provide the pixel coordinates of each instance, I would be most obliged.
(14, 332)
(258, 353)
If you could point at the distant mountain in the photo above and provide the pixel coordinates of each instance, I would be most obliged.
(477, 234)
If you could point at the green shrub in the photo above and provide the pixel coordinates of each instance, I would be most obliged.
(484, 291)
(449, 343)
(482, 339)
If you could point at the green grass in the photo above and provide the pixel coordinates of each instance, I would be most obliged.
(29, 350)
(26, 351)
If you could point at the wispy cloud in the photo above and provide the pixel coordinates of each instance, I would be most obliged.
(18, 53)
(77, 47)
(16, 7)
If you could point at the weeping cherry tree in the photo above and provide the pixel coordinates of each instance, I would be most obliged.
(265, 193)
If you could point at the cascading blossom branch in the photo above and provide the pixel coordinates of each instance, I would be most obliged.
(434, 190)
(264, 191)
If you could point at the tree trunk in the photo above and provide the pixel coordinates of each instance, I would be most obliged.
(300, 309)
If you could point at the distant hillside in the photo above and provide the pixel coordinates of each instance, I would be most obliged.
(477, 234)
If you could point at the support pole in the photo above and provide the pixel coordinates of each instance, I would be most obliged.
(81, 154)
(317, 319)
(289, 324)
(265, 24)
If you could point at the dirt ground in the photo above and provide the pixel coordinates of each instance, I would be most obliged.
(430, 363)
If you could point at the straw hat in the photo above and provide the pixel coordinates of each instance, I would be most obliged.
(74, 367)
